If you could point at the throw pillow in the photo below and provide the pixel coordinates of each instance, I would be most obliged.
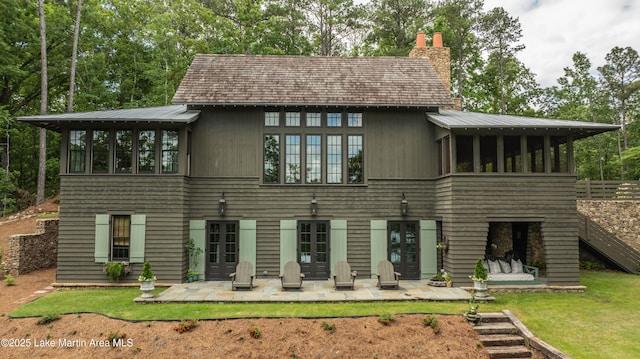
(494, 267)
(516, 266)
(506, 268)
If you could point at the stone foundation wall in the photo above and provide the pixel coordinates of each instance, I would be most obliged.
(621, 218)
(30, 252)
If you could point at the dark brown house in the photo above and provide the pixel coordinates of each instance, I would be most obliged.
(314, 159)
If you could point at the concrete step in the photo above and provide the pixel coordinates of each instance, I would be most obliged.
(496, 328)
(495, 340)
(509, 352)
(494, 317)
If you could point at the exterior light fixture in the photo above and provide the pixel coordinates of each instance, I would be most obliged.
(222, 205)
(314, 205)
(404, 206)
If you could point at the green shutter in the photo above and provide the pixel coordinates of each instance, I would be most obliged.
(198, 231)
(138, 228)
(378, 244)
(338, 237)
(101, 250)
(288, 241)
(248, 241)
(428, 251)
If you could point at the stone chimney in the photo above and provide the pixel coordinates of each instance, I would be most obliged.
(439, 56)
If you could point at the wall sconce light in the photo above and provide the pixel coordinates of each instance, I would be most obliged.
(314, 205)
(404, 206)
(222, 205)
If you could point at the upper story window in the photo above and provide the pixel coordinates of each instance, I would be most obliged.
(313, 148)
(77, 150)
(123, 151)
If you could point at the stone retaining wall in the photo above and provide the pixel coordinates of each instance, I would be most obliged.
(621, 218)
(30, 252)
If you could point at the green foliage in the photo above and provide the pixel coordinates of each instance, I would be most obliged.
(48, 318)
(386, 319)
(587, 265)
(193, 251)
(255, 332)
(9, 280)
(328, 327)
(115, 270)
(115, 336)
(432, 321)
(480, 272)
(146, 274)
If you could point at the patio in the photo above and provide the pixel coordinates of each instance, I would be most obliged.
(270, 290)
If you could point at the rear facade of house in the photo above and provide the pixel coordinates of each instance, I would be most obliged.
(271, 159)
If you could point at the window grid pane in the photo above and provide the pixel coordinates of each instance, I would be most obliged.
(293, 119)
(272, 119)
(334, 119)
(77, 150)
(355, 159)
(314, 159)
(271, 159)
(169, 151)
(146, 151)
(354, 119)
(100, 163)
(314, 119)
(292, 159)
(124, 151)
(121, 237)
(334, 159)
(214, 243)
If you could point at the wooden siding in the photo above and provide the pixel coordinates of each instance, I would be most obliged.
(160, 198)
(268, 204)
(399, 144)
(467, 204)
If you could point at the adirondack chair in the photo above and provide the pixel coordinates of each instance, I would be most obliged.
(343, 277)
(292, 277)
(387, 277)
(243, 276)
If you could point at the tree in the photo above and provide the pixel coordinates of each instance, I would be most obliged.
(42, 163)
(395, 24)
(501, 32)
(74, 57)
(329, 21)
(460, 19)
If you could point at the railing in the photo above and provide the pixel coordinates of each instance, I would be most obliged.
(607, 244)
(608, 190)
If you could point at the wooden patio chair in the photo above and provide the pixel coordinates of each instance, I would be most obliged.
(292, 277)
(387, 277)
(343, 277)
(243, 276)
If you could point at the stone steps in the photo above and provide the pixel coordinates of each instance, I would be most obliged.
(501, 338)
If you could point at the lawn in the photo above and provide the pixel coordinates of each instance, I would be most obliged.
(602, 322)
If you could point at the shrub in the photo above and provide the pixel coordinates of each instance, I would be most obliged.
(386, 319)
(432, 321)
(329, 327)
(48, 318)
(115, 271)
(255, 332)
(9, 280)
(186, 325)
(146, 274)
(113, 336)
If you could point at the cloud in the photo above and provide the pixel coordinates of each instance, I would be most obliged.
(553, 30)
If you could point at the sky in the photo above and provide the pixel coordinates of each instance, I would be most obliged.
(553, 30)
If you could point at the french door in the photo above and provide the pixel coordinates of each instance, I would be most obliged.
(403, 248)
(222, 249)
(313, 249)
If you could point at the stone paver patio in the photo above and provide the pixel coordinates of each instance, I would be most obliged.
(270, 290)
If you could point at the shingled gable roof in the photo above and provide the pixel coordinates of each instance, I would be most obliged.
(308, 81)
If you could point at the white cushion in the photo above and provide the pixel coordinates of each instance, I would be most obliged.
(494, 267)
(516, 266)
(506, 268)
(511, 277)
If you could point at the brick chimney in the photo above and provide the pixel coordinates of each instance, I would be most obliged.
(438, 55)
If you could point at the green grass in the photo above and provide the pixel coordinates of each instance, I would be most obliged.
(602, 322)
(48, 215)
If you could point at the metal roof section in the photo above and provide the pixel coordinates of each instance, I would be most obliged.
(457, 120)
(175, 114)
(258, 80)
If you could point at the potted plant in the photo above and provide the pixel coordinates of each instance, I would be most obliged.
(194, 251)
(480, 279)
(147, 280)
(116, 270)
(440, 279)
